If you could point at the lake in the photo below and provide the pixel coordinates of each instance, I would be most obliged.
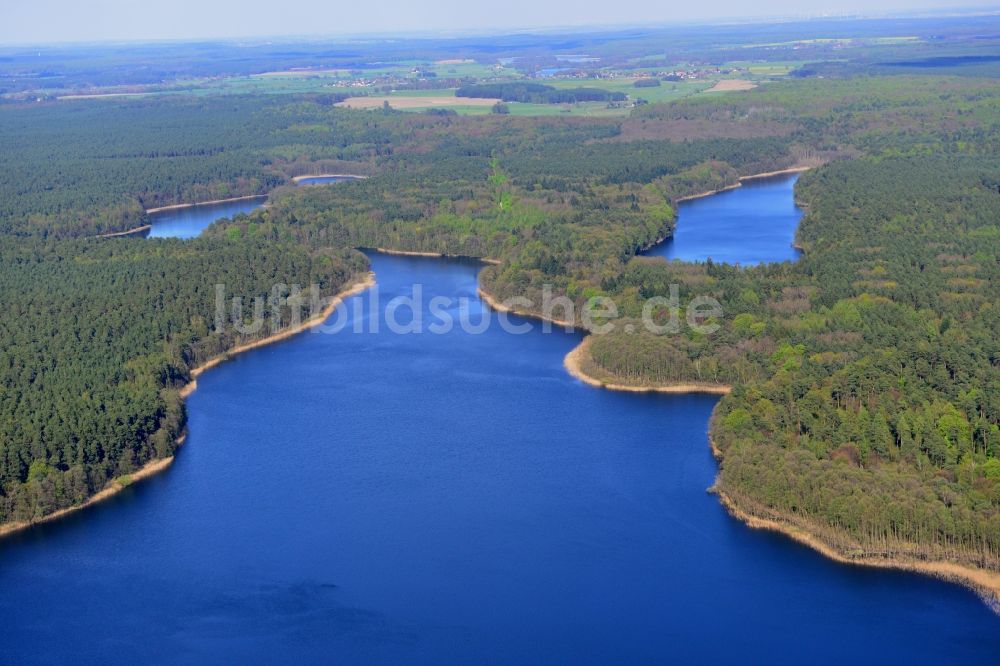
(448, 498)
(190, 221)
(752, 224)
(323, 180)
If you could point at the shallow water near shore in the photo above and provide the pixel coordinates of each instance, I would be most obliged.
(375, 497)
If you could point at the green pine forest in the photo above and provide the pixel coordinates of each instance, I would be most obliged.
(865, 376)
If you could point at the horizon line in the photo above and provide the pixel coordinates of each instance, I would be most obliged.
(515, 30)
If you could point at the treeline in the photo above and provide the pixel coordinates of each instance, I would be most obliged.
(99, 335)
(84, 168)
(88, 168)
(865, 375)
(538, 93)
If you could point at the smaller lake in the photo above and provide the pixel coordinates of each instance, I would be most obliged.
(749, 225)
(191, 221)
(323, 180)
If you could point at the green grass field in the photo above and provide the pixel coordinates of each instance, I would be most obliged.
(336, 80)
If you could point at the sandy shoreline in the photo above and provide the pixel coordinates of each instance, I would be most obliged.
(156, 466)
(494, 304)
(160, 209)
(572, 361)
(112, 489)
(779, 172)
(708, 193)
(312, 322)
(754, 176)
(150, 211)
(573, 364)
(984, 582)
(127, 232)
(438, 255)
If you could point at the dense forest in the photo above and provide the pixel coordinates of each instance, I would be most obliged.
(80, 169)
(99, 336)
(886, 389)
(865, 376)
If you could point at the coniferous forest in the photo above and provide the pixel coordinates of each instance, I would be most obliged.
(865, 377)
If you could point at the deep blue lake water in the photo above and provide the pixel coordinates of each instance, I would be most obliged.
(752, 224)
(375, 497)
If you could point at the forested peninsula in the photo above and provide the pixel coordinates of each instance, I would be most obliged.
(865, 377)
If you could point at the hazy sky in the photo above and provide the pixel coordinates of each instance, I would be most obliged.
(33, 21)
